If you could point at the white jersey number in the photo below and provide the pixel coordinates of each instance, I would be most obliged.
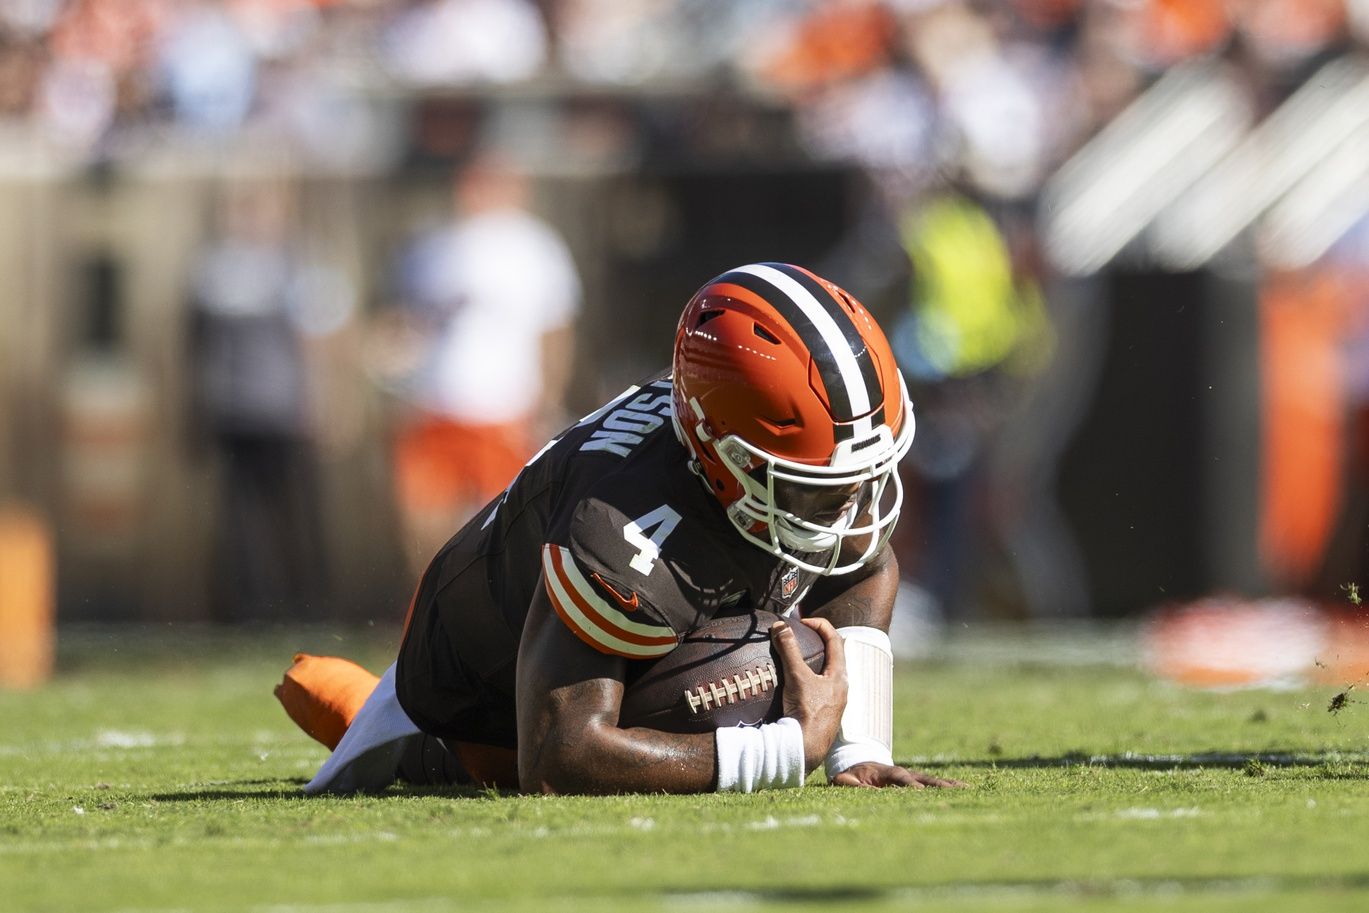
(647, 534)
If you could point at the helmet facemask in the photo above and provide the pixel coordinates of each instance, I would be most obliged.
(857, 498)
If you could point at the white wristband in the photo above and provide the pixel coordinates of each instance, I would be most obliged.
(760, 757)
(867, 725)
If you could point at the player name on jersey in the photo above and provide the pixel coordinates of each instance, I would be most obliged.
(626, 426)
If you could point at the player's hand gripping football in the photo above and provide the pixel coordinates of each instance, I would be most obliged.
(815, 700)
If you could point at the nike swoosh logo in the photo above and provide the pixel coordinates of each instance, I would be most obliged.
(628, 605)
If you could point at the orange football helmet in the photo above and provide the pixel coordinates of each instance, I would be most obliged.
(788, 399)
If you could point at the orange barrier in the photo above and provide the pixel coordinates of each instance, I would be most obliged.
(26, 599)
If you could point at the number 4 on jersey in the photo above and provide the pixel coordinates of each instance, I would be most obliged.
(647, 534)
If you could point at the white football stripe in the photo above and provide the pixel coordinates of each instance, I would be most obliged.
(560, 589)
(575, 578)
(600, 637)
(831, 334)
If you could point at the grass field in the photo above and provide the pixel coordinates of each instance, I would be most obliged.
(157, 773)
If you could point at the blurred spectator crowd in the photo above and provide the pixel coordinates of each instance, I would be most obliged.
(997, 90)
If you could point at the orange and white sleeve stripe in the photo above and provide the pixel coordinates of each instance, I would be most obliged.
(603, 626)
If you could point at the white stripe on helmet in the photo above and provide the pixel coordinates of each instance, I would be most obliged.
(851, 378)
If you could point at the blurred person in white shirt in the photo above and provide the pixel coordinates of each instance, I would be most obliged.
(489, 301)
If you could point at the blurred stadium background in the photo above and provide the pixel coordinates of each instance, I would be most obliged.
(1120, 247)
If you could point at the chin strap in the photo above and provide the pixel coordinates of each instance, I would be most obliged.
(867, 725)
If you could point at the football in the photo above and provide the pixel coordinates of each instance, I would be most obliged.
(723, 673)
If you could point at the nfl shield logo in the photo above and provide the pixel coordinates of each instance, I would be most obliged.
(789, 583)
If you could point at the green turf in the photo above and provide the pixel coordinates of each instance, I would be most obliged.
(157, 773)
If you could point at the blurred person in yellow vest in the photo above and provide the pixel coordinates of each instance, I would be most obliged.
(975, 331)
(970, 312)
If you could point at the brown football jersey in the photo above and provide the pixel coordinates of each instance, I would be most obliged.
(629, 544)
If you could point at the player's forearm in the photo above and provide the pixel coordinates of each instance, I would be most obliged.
(868, 602)
(569, 699)
(601, 758)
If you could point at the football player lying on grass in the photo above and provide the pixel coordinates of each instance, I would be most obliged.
(758, 475)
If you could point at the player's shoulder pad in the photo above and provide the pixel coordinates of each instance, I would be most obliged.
(611, 619)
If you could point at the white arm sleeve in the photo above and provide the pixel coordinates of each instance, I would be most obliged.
(867, 725)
